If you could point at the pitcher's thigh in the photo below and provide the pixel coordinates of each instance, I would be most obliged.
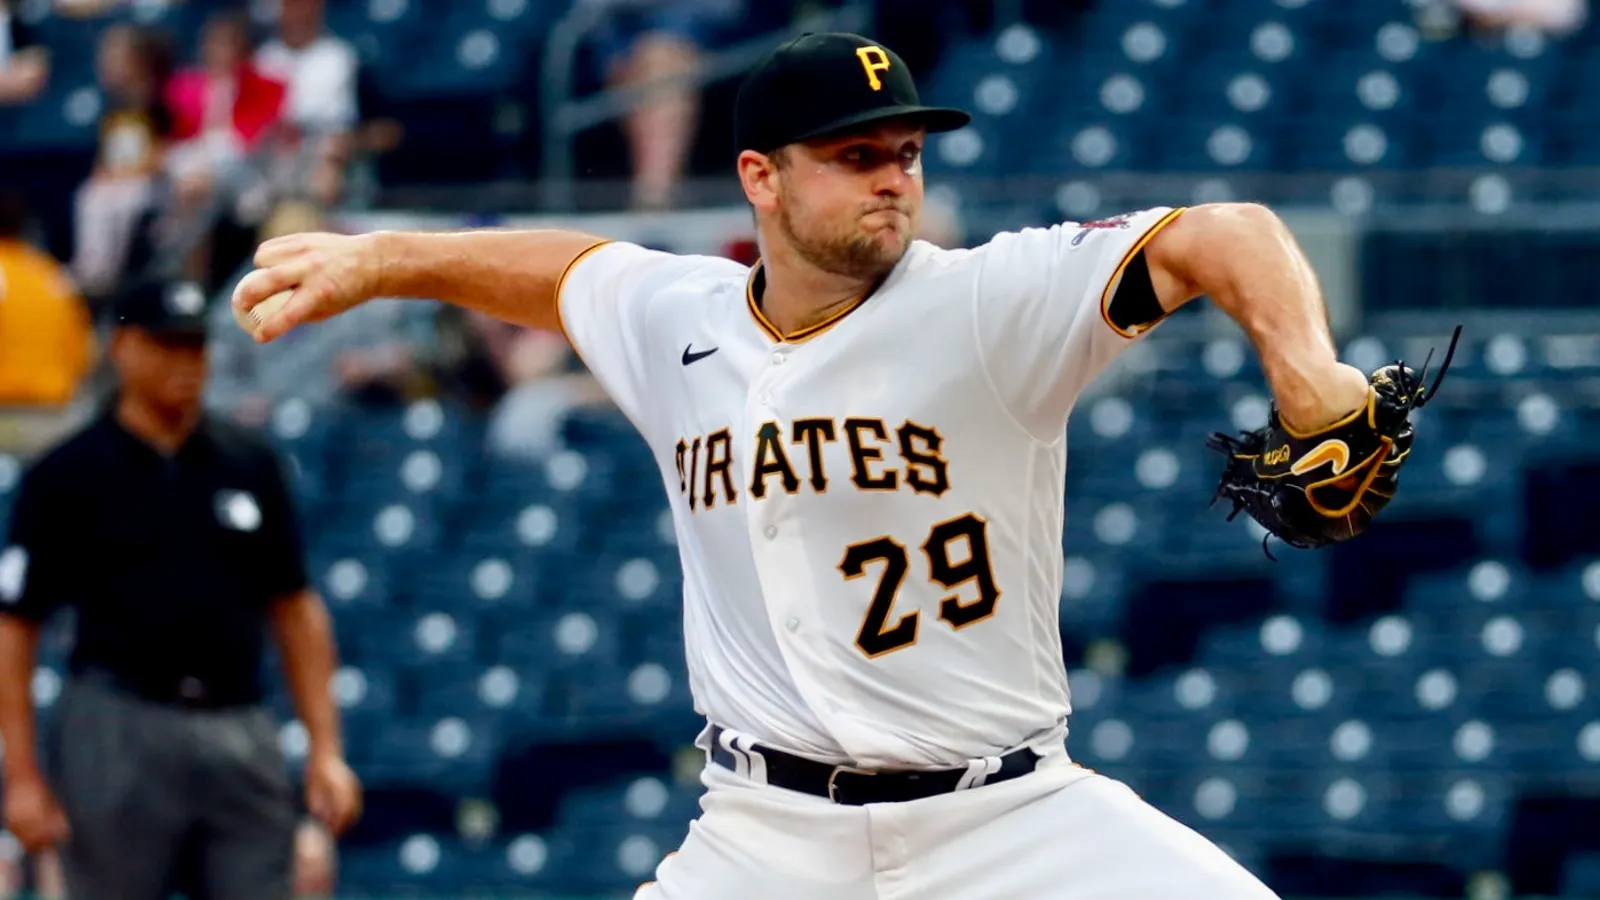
(753, 842)
(1094, 839)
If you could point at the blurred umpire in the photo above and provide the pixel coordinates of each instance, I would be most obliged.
(172, 537)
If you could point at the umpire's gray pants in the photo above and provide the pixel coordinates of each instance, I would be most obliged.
(146, 787)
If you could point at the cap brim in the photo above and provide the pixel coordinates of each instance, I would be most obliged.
(934, 118)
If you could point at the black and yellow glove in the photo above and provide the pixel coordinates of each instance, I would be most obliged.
(1312, 490)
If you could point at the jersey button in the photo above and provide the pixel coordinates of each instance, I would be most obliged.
(771, 532)
(793, 624)
(778, 357)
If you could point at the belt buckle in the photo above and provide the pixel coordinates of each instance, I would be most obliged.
(833, 788)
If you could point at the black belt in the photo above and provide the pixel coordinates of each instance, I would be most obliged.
(850, 786)
(180, 693)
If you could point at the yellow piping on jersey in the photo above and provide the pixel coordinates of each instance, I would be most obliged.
(1116, 278)
(810, 331)
(561, 319)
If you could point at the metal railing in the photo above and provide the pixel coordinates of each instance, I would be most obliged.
(566, 116)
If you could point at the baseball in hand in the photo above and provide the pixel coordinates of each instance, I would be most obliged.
(252, 319)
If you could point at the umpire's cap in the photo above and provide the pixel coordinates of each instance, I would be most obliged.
(175, 308)
(819, 85)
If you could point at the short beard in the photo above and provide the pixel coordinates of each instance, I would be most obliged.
(856, 256)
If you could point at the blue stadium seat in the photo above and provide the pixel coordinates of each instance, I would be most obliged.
(482, 691)
(576, 638)
(1580, 877)
(453, 754)
(417, 639)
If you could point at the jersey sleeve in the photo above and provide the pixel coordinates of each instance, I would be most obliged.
(37, 556)
(604, 301)
(1043, 314)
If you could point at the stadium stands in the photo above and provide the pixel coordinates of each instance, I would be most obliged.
(1393, 715)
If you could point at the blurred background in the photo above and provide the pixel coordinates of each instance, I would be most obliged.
(1415, 714)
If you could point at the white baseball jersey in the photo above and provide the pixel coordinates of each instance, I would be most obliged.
(869, 512)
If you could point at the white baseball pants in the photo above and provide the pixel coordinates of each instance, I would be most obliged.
(1062, 833)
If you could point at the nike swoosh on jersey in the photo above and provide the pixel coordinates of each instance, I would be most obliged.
(1332, 450)
(689, 356)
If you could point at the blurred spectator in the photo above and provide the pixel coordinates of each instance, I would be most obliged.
(375, 357)
(46, 336)
(642, 44)
(320, 70)
(222, 111)
(543, 381)
(225, 113)
(24, 63)
(114, 206)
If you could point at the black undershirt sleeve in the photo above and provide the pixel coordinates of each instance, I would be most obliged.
(1135, 304)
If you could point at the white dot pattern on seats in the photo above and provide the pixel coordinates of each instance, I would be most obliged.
(294, 740)
(423, 420)
(1122, 94)
(1465, 800)
(1488, 581)
(498, 687)
(1249, 92)
(1094, 147)
(1078, 199)
(1344, 799)
(527, 854)
(1077, 578)
(1436, 689)
(1390, 636)
(1229, 145)
(1111, 417)
(1564, 690)
(1311, 689)
(419, 854)
(436, 632)
(1281, 635)
(1215, 798)
(1397, 42)
(450, 738)
(1491, 194)
(1157, 468)
(1116, 524)
(576, 633)
(1351, 741)
(1538, 414)
(347, 579)
(349, 686)
(536, 525)
(1228, 740)
(1352, 196)
(1464, 465)
(1111, 739)
(1144, 42)
(1195, 689)
(1474, 741)
(645, 798)
(649, 684)
(637, 855)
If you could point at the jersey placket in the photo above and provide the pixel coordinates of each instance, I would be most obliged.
(776, 537)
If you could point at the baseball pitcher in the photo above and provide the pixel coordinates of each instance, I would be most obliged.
(863, 441)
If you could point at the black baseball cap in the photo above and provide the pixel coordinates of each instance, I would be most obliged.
(170, 308)
(820, 85)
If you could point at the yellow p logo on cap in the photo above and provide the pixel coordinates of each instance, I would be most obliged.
(873, 60)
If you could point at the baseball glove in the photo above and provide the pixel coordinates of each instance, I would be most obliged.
(1312, 490)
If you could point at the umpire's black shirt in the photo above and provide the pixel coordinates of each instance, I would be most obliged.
(171, 562)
